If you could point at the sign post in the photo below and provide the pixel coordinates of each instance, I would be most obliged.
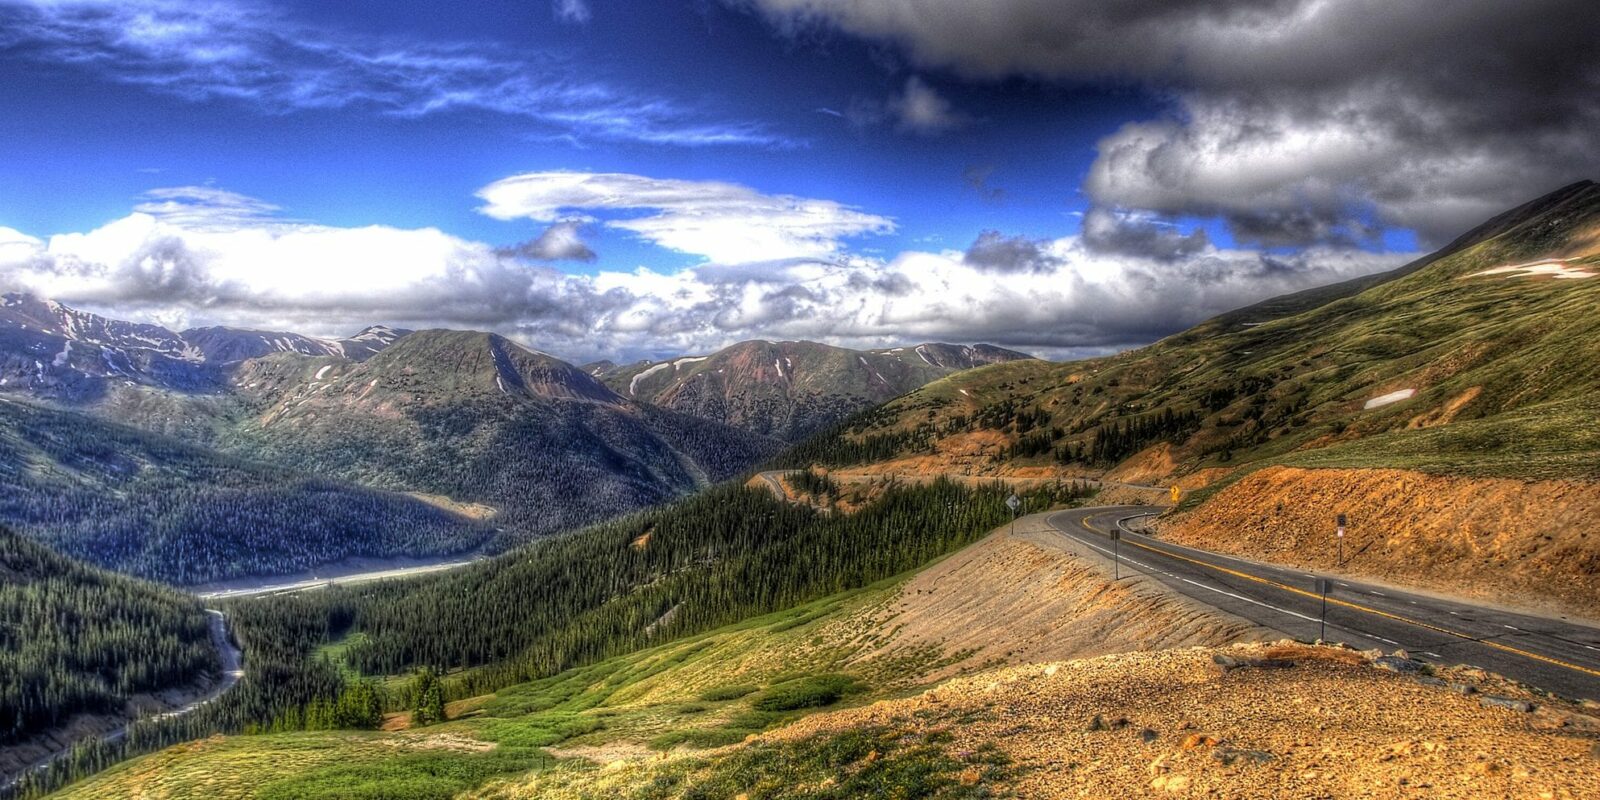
(1116, 554)
(1340, 522)
(1013, 502)
(1322, 589)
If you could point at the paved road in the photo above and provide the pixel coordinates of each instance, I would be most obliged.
(317, 583)
(774, 481)
(1556, 655)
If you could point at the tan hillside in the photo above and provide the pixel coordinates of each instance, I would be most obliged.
(1322, 723)
(1021, 598)
(1534, 543)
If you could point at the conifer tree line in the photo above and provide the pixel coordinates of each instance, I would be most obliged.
(150, 506)
(74, 639)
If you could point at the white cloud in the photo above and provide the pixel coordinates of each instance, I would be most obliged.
(573, 11)
(192, 269)
(251, 53)
(922, 110)
(721, 221)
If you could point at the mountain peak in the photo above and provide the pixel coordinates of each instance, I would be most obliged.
(480, 362)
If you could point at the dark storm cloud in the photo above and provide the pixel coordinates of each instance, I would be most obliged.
(1294, 120)
(1112, 232)
(995, 252)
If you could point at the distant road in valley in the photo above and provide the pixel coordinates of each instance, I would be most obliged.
(1553, 654)
(279, 584)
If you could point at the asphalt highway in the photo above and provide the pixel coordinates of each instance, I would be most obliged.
(1554, 654)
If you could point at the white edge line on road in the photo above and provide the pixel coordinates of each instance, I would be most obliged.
(1201, 585)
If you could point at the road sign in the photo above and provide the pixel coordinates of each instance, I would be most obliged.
(1176, 493)
(1340, 521)
(1116, 553)
(1013, 502)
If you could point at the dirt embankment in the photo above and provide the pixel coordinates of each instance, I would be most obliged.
(1531, 543)
(1021, 598)
(1322, 722)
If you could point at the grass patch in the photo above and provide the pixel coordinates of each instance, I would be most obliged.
(438, 775)
(723, 693)
(869, 762)
(813, 691)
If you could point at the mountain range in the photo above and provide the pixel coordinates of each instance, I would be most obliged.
(790, 390)
(214, 453)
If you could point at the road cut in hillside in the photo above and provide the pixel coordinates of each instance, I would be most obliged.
(1531, 543)
(1019, 597)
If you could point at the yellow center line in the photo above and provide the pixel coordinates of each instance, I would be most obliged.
(1358, 607)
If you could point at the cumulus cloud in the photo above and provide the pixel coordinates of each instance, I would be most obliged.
(250, 53)
(1054, 297)
(1293, 120)
(723, 222)
(559, 242)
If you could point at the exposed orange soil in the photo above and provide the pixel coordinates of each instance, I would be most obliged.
(1534, 543)
(1146, 466)
(1447, 412)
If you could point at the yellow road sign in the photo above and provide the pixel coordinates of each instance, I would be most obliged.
(1176, 493)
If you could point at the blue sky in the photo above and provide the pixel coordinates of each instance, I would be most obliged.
(844, 160)
(68, 170)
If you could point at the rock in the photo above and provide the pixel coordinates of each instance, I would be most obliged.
(1170, 783)
(1098, 724)
(1401, 654)
(1229, 756)
(1429, 680)
(1195, 741)
(1223, 664)
(1397, 664)
(1492, 701)
(1148, 735)
(1595, 751)
(1463, 688)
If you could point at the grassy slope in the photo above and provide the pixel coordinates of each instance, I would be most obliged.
(1290, 388)
(698, 691)
(709, 690)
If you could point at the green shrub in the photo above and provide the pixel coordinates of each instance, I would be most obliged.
(809, 692)
(722, 693)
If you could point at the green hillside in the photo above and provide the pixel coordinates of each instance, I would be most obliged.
(790, 390)
(153, 506)
(74, 639)
(478, 418)
(1508, 359)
